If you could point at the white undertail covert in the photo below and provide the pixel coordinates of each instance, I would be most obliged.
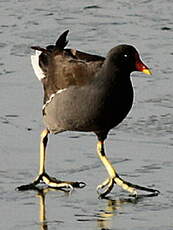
(35, 64)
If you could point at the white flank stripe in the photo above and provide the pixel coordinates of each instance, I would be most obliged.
(35, 64)
(52, 96)
(61, 90)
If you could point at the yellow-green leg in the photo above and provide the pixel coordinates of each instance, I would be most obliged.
(43, 145)
(114, 178)
(43, 177)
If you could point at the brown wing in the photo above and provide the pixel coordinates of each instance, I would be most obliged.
(63, 70)
(66, 67)
(85, 56)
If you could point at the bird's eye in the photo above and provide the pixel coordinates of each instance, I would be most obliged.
(125, 55)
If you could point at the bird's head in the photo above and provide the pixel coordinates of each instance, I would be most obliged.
(127, 59)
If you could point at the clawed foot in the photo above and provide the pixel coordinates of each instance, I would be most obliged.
(51, 182)
(106, 187)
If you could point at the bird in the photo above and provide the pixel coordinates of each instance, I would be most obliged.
(86, 93)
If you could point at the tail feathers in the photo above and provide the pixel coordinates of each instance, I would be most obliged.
(59, 45)
(39, 49)
(62, 42)
(40, 62)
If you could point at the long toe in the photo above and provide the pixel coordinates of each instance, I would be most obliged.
(125, 185)
(25, 187)
(105, 188)
(103, 185)
(52, 182)
(133, 188)
(45, 181)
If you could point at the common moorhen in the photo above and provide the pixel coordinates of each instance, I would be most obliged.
(88, 93)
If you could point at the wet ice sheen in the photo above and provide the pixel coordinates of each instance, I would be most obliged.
(144, 138)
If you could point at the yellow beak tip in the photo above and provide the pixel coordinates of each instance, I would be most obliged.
(147, 71)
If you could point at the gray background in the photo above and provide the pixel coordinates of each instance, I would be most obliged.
(140, 148)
